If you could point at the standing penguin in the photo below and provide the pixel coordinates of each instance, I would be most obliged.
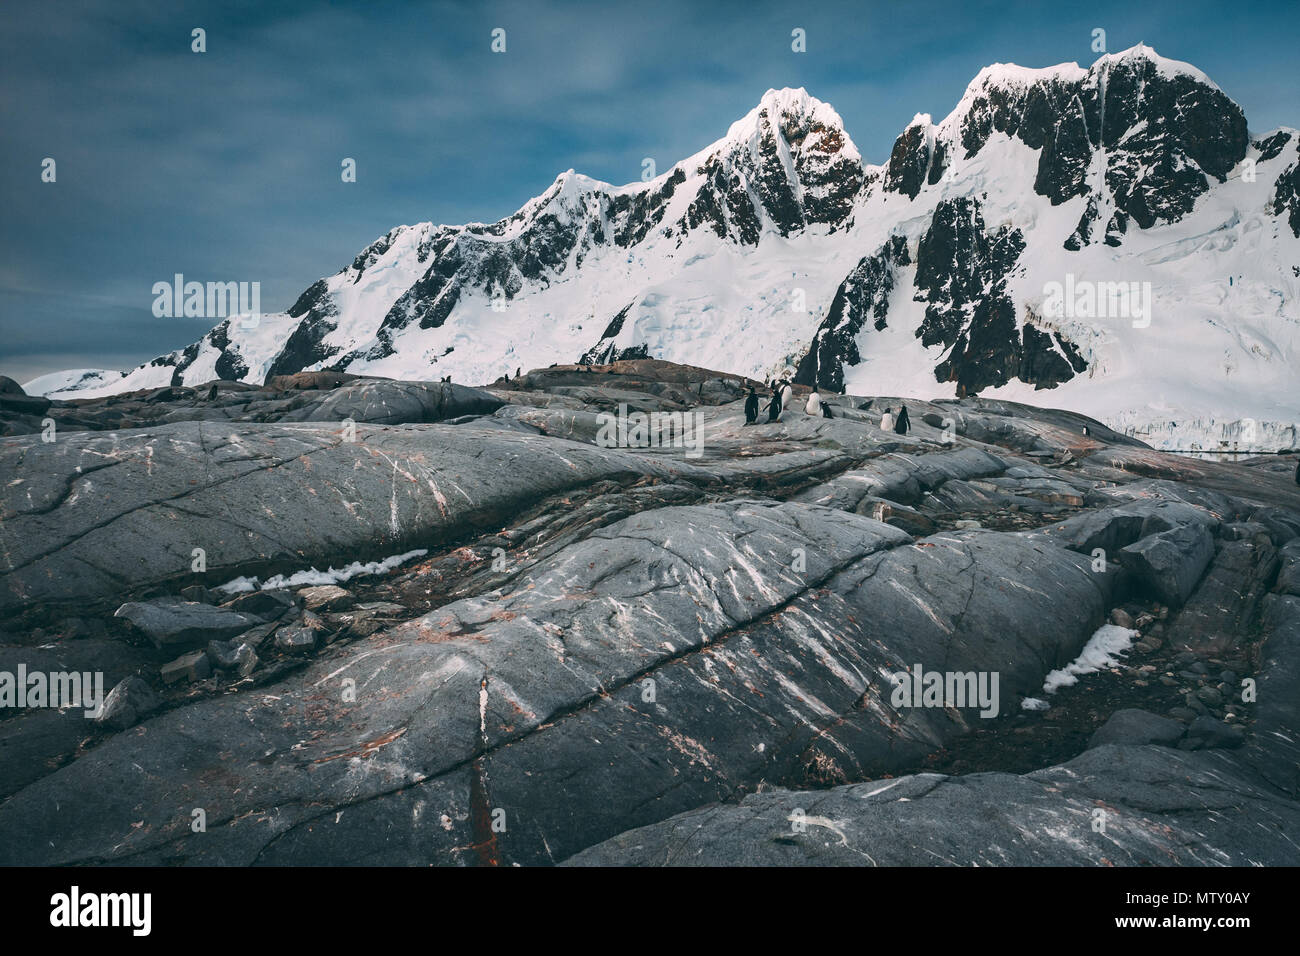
(814, 406)
(774, 407)
(787, 393)
(903, 424)
(751, 407)
(887, 420)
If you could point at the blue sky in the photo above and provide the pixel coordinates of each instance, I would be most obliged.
(225, 165)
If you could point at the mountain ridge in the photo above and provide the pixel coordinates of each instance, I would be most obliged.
(763, 250)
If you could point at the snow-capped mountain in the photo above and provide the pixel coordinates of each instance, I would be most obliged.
(73, 383)
(1112, 233)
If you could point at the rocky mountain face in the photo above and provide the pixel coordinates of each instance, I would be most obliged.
(778, 246)
(436, 624)
(1137, 140)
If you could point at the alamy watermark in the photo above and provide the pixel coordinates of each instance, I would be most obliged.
(212, 300)
(651, 430)
(57, 689)
(74, 909)
(922, 688)
(1085, 299)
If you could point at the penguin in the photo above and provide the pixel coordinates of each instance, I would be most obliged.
(903, 424)
(787, 393)
(814, 406)
(887, 420)
(826, 410)
(212, 392)
(774, 407)
(751, 407)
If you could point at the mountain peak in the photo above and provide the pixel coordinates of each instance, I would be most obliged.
(1012, 75)
(800, 118)
(790, 103)
(788, 99)
(1164, 65)
(998, 79)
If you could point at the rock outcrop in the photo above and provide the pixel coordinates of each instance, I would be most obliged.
(403, 623)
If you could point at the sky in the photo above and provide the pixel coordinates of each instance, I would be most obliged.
(225, 165)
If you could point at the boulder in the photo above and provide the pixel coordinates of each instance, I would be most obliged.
(233, 655)
(1121, 618)
(128, 703)
(1170, 563)
(255, 637)
(269, 604)
(326, 597)
(198, 593)
(1288, 575)
(296, 639)
(172, 623)
(193, 666)
(1208, 732)
(1136, 727)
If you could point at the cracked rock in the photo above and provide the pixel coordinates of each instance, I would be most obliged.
(172, 623)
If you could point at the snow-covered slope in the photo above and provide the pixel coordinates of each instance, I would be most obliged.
(75, 382)
(942, 272)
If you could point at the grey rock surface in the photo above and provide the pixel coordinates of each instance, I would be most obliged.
(1111, 806)
(507, 643)
(123, 512)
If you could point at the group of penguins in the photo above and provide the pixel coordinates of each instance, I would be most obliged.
(783, 392)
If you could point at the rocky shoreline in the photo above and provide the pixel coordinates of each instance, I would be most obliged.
(356, 620)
